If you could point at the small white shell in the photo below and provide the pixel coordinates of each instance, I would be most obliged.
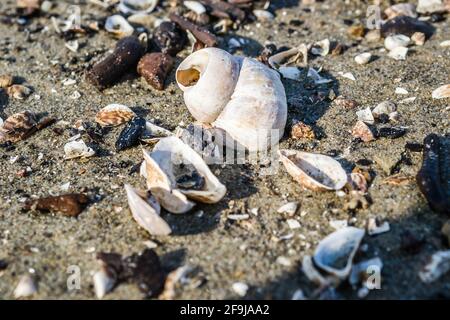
(432, 6)
(438, 266)
(297, 55)
(77, 149)
(316, 77)
(195, 6)
(363, 58)
(25, 288)
(321, 48)
(314, 171)
(395, 41)
(145, 214)
(263, 15)
(385, 107)
(172, 151)
(373, 228)
(292, 73)
(290, 208)
(365, 115)
(338, 247)
(103, 283)
(441, 92)
(118, 26)
(156, 132)
(398, 53)
(137, 6)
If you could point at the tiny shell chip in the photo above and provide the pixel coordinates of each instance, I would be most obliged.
(418, 38)
(437, 267)
(362, 131)
(25, 288)
(6, 80)
(397, 40)
(18, 127)
(441, 92)
(263, 15)
(18, 91)
(366, 116)
(114, 115)
(137, 6)
(385, 107)
(314, 171)
(321, 48)
(77, 149)
(363, 58)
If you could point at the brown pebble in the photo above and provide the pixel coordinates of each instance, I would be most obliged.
(18, 91)
(155, 67)
(356, 31)
(124, 59)
(70, 205)
(169, 38)
(301, 130)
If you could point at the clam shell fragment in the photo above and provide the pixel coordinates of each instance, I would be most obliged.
(118, 26)
(314, 171)
(114, 115)
(137, 6)
(146, 215)
(77, 149)
(441, 92)
(335, 253)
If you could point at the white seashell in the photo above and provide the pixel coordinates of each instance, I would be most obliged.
(336, 248)
(292, 73)
(118, 26)
(25, 288)
(293, 224)
(373, 228)
(365, 115)
(103, 283)
(1, 122)
(263, 15)
(395, 41)
(154, 132)
(146, 215)
(441, 92)
(290, 208)
(437, 267)
(195, 6)
(321, 48)
(314, 171)
(316, 77)
(445, 43)
(240, 288)
(297, 55)
(347, 75)
(298, 295)
(137, 6)
(398, 53)
(385, 107)
(432, 6)
(338, 224)
(362, 270)
(77, 149)
(400, 90)
(161, 180)
(239, 95)
(363, 58)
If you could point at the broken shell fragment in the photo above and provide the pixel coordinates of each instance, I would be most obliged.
(384, 108)
(363, 58)
(362, 270)
(431, 177)
(373, 228)
(437, 267)
(18, 91)
(301, 130)
(77, 149)
(118, 26)
(103, 282)
(137, 6)
(295, 56)
(25, 288)
(114, 115)
(441, 92)
(255, 121)
(145, 214)
(70, 205)
(418, 38)
(124, 59)
(397, 40)
(130, 135)
(321, 48)
(174, 171)
(398, 53)
(18, 127)
(154, 133)
(263, 15)
(155, 67)
(314, 171)
(169, 38)
(335, 253)
(401, 9)
(289, 208)
(6, 80)
(433, 6)
(312, 273)
(365, 115)
(362, 131)
(195, 6)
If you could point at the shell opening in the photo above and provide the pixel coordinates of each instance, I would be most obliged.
(188, 77)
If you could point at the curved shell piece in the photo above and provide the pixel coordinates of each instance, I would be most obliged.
(171, 152)
(118, 26)
(335, 253)
(239, 95)
(314, 171)
(137, 6)
(145, 214)
(114, 115)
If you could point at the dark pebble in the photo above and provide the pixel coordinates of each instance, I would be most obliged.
(131, 133)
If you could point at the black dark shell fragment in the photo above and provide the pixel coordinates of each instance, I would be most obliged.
(391, 132)
(169, 38)
(131, 133)
(433, 177)
(407, 26)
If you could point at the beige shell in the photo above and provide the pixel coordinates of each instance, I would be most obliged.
(239, 95)
(314, 171)
(118, 26)
(114, 115)
(18, 127)
(161, 181)
(339, 246)
(441, 92)
(6, 80)
(137, 6)
(18, 91)
(146, 214)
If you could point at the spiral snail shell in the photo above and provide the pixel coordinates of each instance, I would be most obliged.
(237, 94)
